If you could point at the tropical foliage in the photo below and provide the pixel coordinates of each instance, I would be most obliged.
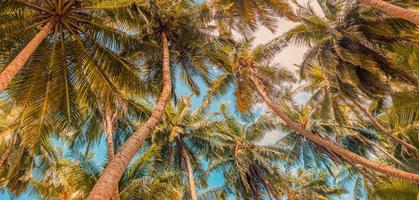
(175, 99)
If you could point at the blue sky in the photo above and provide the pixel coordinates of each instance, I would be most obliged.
(289, 57)
(293, 55)
(100, 148)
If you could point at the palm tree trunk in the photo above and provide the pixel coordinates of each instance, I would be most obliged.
(108, 127)
(366, 140)
(393, 10)
(190, 173)
(110, 146)
(115, 169)
(8, 151)
(381, 127)
(271, 189)
(111, 153)
(17, 63)
(387, 170)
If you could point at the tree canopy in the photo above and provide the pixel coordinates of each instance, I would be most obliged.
(176, 99)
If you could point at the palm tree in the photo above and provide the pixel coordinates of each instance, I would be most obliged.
(353, 43)
(17, 171)
(333, 147)
(326, 94)
(184, 136)
(57, 19)
(109, 125)
(7, 130)
(357, 178)
(83, 65)
(303, 153)
(247, 15)
(402, 117)
(328, 120)
(14, 67)
(234, 75)
(249, 66)
(393, 10)
(114, 119)
(350, 35)
(311, 185)
(396, 189)
(19, 160)
(70, 70)
(182, 32)
(346, 132)
(251, 170)
(75, 176)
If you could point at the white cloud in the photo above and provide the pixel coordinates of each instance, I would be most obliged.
(289, 57)
(271, 137)
(260, 108)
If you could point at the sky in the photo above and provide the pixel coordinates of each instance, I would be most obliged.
(288, 58)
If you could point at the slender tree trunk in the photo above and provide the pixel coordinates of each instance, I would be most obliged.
(17, 63)
(109, 128)
(393, 10)
(387, 170)
(190, 173)
(382, 150)
(115, 169)
(268, 185)
(108, 124)
(8, 151)
(381, 127)
(111, 153)
(110, 146)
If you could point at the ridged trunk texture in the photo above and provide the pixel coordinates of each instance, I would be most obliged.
(188, 163)
(115, 169)
(109, 127)
(17, 63)
(393, 10)
(384, 169)
(271, 189)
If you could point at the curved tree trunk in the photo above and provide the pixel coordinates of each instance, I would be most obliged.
(393, 10)
(109, 120)
(190, 173)
(387, 170)
(115, 169)
(381, 127)
(111, 153)
(110, 146)
(8, 151)
(17, 63)
(271, 189)
(366, 140)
